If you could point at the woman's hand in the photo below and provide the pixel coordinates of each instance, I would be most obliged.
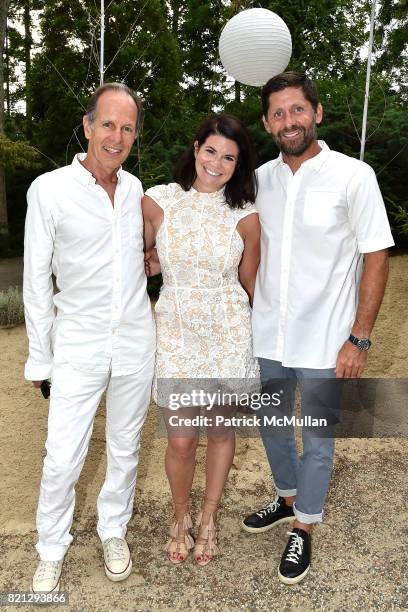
(152, 263)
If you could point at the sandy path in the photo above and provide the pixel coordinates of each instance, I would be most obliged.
(359, 551)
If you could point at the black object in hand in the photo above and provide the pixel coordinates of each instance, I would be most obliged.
(45, 388)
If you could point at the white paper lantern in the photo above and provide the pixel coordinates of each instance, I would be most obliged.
(255, 45)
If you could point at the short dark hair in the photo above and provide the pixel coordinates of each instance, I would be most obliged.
(93, 100)
(290, 79)
(242, 186)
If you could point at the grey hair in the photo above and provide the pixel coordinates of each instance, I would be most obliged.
(93, 100)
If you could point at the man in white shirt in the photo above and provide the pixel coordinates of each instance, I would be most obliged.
(315, 301)
(96, 334)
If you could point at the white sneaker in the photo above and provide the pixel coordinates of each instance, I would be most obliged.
(118, 563)
(47, 576)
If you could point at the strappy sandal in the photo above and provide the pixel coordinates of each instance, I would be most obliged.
(180, 542)
(206, 549)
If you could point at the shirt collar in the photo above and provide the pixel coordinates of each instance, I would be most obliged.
(82, 174)
(315, 162)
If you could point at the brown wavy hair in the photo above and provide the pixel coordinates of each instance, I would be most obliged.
(242, 186)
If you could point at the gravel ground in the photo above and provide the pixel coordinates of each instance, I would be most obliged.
(359, 552)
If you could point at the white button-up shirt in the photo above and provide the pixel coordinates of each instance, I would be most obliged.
(100, 319)
(316, 223)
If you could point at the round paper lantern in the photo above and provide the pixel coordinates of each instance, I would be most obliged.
(255, 45)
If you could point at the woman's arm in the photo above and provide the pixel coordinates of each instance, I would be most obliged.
(250, 231)
(152, 219)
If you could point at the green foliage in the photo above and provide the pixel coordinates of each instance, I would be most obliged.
(391, 39)
(11, 307)
(400, 214)
(168, 52)
(17, 154)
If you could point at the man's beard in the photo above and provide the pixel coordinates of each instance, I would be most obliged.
(299, 145)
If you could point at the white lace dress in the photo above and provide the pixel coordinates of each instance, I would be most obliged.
(203, 316)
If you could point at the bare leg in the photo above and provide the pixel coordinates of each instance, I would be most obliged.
(220, 455)
(180, 466)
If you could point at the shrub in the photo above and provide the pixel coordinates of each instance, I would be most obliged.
(11, 307)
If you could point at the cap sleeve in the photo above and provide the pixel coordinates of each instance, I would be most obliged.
(163, 195)
(249, 209)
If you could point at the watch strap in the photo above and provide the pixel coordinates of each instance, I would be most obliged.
(361, 343)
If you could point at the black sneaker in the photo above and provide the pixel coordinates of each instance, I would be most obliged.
(275, 513)
(295, 562)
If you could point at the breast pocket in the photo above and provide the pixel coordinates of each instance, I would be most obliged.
(321, 207)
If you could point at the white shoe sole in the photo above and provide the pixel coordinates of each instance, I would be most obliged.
(54, 590)
(121, 576)
(286, 580)
(286, 519)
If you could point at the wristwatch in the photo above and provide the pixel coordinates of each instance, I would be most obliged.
(363, 344)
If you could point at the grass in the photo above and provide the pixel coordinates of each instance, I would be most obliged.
(11, 307)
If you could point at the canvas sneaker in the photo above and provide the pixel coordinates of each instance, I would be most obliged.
(118, 562)
(47, 577)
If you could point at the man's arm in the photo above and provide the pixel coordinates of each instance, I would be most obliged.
(38, 288)
(350, 360)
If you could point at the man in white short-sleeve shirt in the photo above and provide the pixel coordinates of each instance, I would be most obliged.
(84, 224)
(321, 280)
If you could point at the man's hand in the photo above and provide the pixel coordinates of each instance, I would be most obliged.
(37, 383)
(350, 361)
(152, 263)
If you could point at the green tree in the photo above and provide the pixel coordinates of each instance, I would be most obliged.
(168, 51)
(139, 49)
(392, 41)
(3, 200)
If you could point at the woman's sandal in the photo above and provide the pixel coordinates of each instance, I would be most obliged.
(206, 549)
(181, 541)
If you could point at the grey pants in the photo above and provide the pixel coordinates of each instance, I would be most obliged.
(307, 477)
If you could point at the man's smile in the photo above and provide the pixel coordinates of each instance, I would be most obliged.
(291, 134)
(113, 150)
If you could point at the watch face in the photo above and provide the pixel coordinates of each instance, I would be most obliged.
(363, 344)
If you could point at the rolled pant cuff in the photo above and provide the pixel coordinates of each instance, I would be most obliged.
(308, 519)
(286, 492)
(105, 534)
(51, 553)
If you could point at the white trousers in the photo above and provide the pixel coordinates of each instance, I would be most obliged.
(75, 396)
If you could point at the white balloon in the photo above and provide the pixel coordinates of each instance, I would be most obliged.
(255, 45)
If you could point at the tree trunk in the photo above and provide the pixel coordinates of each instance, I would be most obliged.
(7, 56)
(27, 61)
(237, 87)
(4, 4)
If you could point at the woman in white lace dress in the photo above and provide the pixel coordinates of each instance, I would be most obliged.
(206, 231)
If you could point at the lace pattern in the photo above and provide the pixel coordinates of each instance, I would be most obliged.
(203, 316)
